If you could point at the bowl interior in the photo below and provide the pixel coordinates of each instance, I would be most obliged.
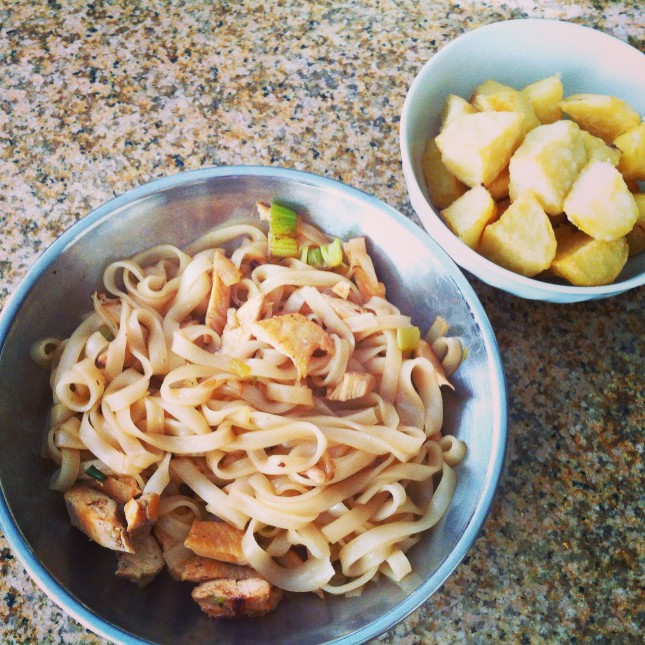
(516, 52)
(420, 279)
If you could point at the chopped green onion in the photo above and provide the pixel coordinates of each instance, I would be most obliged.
(315, 258)
(106, 332)
(332, 254)
(283, 246)
(465, 354)
(239, 367)
(94, 472)
(283, 220)
(304, 254)
(407, 338)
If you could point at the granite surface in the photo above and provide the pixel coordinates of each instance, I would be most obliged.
(99, 97)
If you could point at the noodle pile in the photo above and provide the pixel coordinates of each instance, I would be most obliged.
(265, 393)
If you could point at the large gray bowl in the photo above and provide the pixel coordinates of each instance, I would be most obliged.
(420, 278)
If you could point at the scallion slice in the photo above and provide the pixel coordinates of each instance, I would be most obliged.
(332, 254)
(283, 220)
(94, 472)
(106, 332)
(407, 338)
(283, 246)
(239, 367)
(315, 258)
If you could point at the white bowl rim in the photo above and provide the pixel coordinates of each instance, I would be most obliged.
(469, 259)
(103, 628)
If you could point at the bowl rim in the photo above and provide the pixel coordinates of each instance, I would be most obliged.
(460, 252)
(113, 207)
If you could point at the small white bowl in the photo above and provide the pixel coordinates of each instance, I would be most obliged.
(516, 52)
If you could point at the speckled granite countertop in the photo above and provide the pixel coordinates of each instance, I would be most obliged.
(96, 98)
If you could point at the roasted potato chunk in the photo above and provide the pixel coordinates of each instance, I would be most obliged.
(498, 188)
(632, 160)
(454, 106)
(443, 186)
(547, 163)
(600, 204)
(491, 96)
(597, 149)
(522, 239)
(586, 262)
(467, 216)
(545, 96)
(477, 147)
(603, 116)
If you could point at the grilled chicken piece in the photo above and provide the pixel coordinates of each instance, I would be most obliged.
(97, 515)
(142, 566)
(226, 598)
(362, 268)
(342, 289)
(225, 274)
(165, 540)
(120, 487)
(343, 308)
(201, 569)
(290, 559)
(353, 385)
(294, 336)
(141, 513)
(239, 323)
(217, 540)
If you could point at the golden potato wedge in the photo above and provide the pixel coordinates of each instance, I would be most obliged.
(586, 262)
(547, 163)
(467, 216)
(491, 96)
(545, 96)
(498, 188)
(636, 237)
(522, 239)
(476, 147)
(454, 106)
(603, 116)
(443, 186)
(600, 204)
(632, 146)
(597, 149)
